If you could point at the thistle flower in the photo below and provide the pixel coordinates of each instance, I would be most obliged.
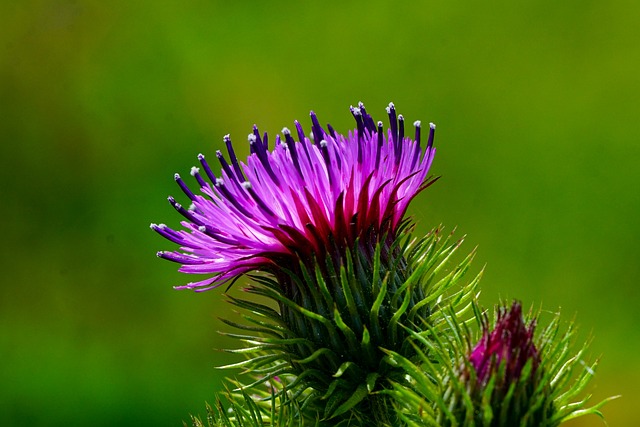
(324, 216)
(300, 201)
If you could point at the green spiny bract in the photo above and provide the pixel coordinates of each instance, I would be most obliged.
(334, 326)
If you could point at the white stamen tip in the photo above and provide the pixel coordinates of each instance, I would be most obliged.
(432, 126)
(360, 104)
(252, 138)
(246, 185)
(219, 182)
(417, 123)
(202, 228)
(227, 138)
(176, 176)
(162, 226)
(286, 131)
(391, 106)
(401, 117)
(192, 207)
(200, 156)
(357, 111)
(194, 170)
(323, 144)
(380, 124)
(153, 226)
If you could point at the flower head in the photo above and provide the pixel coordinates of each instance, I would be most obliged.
(510, 341)
(301, 200)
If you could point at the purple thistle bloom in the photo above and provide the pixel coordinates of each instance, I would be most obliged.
(300, 200)
(510, 341)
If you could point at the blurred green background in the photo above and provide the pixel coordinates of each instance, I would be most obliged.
(537, 105)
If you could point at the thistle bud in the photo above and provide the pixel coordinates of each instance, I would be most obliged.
(504, 375)
(509, 342)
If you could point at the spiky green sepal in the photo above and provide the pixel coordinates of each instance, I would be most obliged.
(270, 405)
(334, 325)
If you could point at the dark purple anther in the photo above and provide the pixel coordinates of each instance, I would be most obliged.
(234, 159)
(301, 135)
(369, 124)
(416, 154)
(195, 172)
(167, 233)
(417, 125)
(206, 168)
(288, 139)
(253, 146)
(257, 144)
(257, 134)
(393, 123)
(432, 134)
(357, 114)
(184, 187)
(397, 146)
(332, 131)
(185, 213)
(225, 167)
(318, 132)
(380, 142)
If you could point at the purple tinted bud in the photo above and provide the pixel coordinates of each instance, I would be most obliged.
(509, 342)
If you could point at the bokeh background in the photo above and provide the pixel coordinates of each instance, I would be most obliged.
(537, 106)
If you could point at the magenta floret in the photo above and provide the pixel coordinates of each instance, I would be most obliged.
(300, 200)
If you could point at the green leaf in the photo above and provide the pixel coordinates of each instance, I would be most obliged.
(357, 397)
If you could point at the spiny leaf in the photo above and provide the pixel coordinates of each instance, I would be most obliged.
(357, 397)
